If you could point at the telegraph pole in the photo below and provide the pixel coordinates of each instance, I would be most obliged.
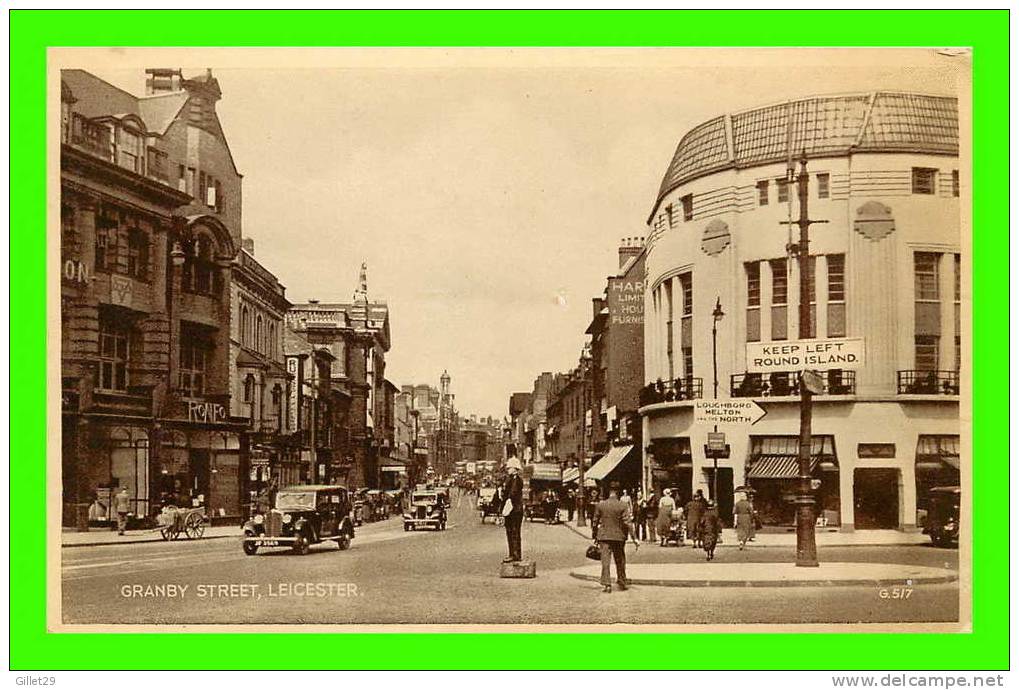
(806, 542)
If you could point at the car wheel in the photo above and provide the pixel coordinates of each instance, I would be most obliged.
(442, 525)
(343, 542)
(249, 548)
(301, 546)
(406, 527)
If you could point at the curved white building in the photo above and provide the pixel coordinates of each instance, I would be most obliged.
(884, 174)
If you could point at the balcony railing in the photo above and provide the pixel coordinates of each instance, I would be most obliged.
(919, 382)
(89, 136)
(785, 383)
(689, 388)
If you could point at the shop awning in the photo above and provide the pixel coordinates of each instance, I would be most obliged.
(777, 467)
(543, 471)
(609, 462)
(571, 474)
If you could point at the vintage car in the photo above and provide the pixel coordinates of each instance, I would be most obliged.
(488, 503)
(943, 515)
(302, 516)
(427, 509)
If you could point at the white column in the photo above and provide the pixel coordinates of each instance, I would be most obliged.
(946, 292)
(907, 495)
(847, 466)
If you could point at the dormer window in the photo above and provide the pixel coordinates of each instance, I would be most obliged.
(129, 150)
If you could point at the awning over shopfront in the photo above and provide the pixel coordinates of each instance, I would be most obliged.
(609, 462)
(571, 474)
(543, 471)
(778, 457)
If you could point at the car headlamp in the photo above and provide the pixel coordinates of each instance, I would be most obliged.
(287, 517)
(259, 519)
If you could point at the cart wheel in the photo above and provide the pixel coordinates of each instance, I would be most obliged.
(194, 526)
(166, 533)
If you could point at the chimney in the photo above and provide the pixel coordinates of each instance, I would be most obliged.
(248, 245)
(628, 248)
(162, 80)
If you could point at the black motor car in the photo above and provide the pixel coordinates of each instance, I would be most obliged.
(427, 509)
(943, 515)
(302, 516)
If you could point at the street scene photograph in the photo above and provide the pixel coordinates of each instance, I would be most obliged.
(509, 339)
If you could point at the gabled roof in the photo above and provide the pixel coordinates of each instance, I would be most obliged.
(160, 110)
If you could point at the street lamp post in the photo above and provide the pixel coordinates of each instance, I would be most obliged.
(806, 541)
(716, 316)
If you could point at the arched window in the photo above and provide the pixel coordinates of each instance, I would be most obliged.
(200, 273)
(259, 346)
(249, 388)
(245, 334)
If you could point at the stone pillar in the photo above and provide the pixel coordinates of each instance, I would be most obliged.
(907, 496)
(946, 293)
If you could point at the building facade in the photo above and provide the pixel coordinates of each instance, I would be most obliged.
(147, 250)
(886, 266)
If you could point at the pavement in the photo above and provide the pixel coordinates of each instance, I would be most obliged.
(109, 537)
(823, 537)
(773, 574)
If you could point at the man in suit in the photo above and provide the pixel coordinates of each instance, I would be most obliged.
(611, 526)
(513, 509)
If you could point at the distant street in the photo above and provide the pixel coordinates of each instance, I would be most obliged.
(392, 576)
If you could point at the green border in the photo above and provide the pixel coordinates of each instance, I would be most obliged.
(987, 32)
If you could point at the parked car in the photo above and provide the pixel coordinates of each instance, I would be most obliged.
(943, 515)
(427, 509)
(488, 503)
(302, 516)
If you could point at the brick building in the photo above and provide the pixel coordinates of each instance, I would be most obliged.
(150, 224)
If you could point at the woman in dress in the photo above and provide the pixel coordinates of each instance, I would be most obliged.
(744, 514)
(710, 528)
(665, 507)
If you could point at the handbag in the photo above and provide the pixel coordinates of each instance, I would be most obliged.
(507, 508)
(593, 552)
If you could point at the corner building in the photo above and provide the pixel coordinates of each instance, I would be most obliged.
(885, 267)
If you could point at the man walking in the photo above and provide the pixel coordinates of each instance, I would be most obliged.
(122, 504)
(513, 509)
(611, 526)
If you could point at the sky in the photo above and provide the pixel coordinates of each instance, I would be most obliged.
(486, 189)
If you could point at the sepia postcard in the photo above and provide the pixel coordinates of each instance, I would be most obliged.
(492, 339)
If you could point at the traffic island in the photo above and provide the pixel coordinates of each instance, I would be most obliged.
(718, 574)
(518, 569)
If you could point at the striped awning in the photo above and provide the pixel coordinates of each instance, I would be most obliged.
(609, 462)
(571, 474)
(784, 466)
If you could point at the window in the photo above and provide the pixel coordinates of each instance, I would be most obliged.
(182, 184)
(811, 271)
(157, 165)
(923, 180)
(200, 273)
(249, 388)
(191, 181)
(114, 351)
(106, 240)
(668, 212)
(210, 193)
(958, 278)
(219, 197)
(669, 335)
(925, 271)
(245, 336)
(272, 340)
(926, 349)
(194, 358)
(836, 295)
(687, 361)
(753, 271)
(762, 193)
(783, 190)
(137, 253)
(258, 334)
(688, 207)
(779, 282)
(955, 183)
(686, 284)
(823, 185)
(128, 150)
(779, 299)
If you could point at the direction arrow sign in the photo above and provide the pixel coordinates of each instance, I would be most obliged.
(728, 412)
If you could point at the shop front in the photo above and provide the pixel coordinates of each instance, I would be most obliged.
(200, 467)
(671, 467)
(772, 472)
(937, 464)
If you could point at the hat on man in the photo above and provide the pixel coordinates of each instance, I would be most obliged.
(513, 464)
(614, 486)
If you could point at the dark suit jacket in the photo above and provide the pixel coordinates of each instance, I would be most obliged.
(612, 521)
(513, 490)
